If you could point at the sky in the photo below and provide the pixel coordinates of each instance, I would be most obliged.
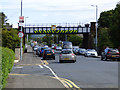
(55, 11)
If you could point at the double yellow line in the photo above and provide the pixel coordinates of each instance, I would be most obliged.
(69, 83)
(44, 62)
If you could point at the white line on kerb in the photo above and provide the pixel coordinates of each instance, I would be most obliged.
(40, 66)
(56, 76)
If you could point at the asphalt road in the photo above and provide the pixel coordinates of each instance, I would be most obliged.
(88, 72)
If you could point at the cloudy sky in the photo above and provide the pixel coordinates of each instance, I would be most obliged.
(55, 11)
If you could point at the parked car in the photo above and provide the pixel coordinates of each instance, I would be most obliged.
(46, 46)
(67, 55)
(58, 48)
(38, 51)
(82, 51)
(53, 46)
(91, 52)
(76, 51)
(49, 53)
(111, 54)
(36, 47)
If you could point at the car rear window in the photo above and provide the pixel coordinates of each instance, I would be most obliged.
(49, 51)
(66, 52)
(114, 51)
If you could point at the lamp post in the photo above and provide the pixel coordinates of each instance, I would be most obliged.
(25, 26)
(21, 38)
(96, 23)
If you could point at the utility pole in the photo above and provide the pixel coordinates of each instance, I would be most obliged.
(96, 25)
(21, 38)
(66, 34)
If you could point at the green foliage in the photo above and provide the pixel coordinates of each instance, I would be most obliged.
(8, 57)
(115, 27)
(104, 38)
(3, 18)
(76, 40)
(10, 38)
(109, 26)
(48, 38)
(105, 19)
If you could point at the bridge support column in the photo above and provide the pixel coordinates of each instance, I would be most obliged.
(88, 38)
(85, 40)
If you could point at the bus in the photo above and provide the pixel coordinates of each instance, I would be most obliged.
(66, 45)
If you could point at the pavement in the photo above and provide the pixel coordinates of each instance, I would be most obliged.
(29, 73)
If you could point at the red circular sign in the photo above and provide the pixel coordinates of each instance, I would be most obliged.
(21, 34)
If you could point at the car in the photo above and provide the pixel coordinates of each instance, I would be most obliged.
(111, 54)
(46, 46)
(91, 52)
(38, 51)
(76, 51)
(67, 55)
(53, 45)
(58, 48)
(82, 51)
(35, 47)
(49, 53)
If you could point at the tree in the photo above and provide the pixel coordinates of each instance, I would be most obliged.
(115, 27)
(105, 19)
(104, 38)
(76, 40)
(10, 38)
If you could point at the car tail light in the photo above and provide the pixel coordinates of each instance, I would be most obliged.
(40, 50)
(53, 51)
(73, 54)
(118, 53)
(108, 52)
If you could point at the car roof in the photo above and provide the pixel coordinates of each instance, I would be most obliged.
(66, 49)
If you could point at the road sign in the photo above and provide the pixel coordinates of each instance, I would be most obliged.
(20, 34)
(21, 19)
(53, 27)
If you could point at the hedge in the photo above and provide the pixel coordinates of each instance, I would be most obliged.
(8, 57)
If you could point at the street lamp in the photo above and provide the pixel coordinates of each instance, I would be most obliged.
(25, 26)
(96, 23)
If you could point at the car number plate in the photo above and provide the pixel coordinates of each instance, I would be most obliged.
(66, 58)
(113, 56)
(48, 54)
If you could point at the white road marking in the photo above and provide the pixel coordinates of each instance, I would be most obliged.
(40, 66)
(56, 76)
(18, 67)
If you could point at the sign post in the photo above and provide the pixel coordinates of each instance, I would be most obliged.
(21, 20)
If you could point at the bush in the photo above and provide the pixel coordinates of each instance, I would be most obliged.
(8, 57)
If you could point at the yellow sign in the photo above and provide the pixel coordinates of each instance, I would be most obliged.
(53, 27)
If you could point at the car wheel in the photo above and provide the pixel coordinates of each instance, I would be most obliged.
(54, 58)
(74, 61)
(102, 58)
(105, 59)
(60, 61)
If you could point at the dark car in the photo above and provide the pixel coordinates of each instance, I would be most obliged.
(49, 53)
(111, 54)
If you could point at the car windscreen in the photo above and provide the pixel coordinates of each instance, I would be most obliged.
(113, 51)
(66, 52)
(67, 46)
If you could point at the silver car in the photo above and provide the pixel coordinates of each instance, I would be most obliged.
(67, 55)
